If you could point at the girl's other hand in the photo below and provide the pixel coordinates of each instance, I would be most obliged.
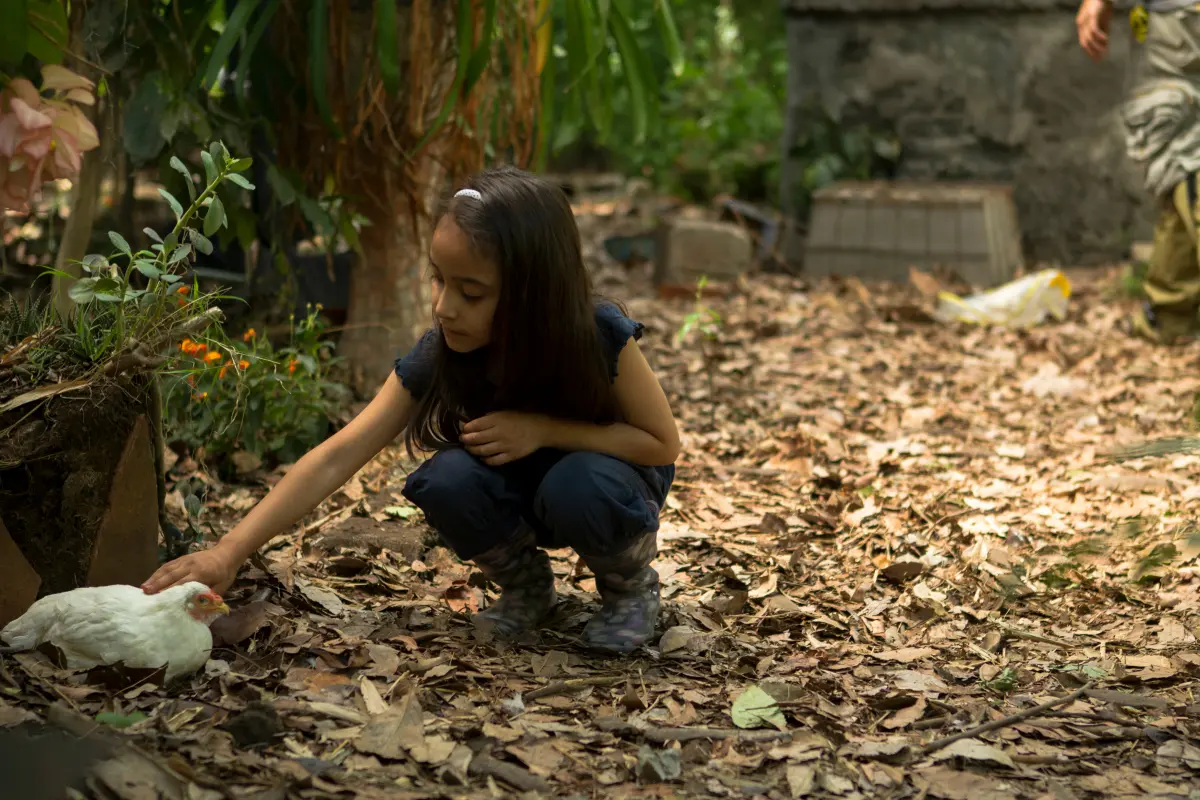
(213, 568)
(504, 436)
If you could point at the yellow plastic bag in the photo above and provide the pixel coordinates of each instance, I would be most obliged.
(1022, 303)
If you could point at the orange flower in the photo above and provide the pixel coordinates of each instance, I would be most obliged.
(201, 396)
(191, 379)
(182, 289)
(186, 346)
(243, 364)
(211, 357)
(248, 335)
(223, 370)
(292, 366)
(182, 302)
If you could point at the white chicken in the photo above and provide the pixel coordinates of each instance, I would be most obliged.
(103, 625)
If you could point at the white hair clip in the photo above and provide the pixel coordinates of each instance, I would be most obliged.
(474, 195)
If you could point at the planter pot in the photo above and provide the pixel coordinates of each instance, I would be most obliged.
(79, 501)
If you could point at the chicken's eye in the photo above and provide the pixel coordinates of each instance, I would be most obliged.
(201, 601)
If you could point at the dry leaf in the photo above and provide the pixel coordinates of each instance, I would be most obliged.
(973, 750)
(906, 716)
(371, 698)
(907, 655)
(391, 734)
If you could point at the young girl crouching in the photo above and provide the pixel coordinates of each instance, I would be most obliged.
(546, 425)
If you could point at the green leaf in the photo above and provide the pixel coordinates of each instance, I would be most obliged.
(47, 34)
(464, 33)
(182, 169)
(240, 181)
(670, 36)
(545, 119)
(483, 52)
(240, 165)
(83, 290)
(285, 193)
(635, 71)
(203, 245)
(170, 198)
(119, 242)
(260, 25)
(142, 137)
(107, 290)
(224, 46)
(147, 268)
(218, 152)
(585, 64)
(215, 217)
(318, 51)
(180, 254)
(210, 169)
(387, 45)
(115, 720)
(399, 512)
(13, 26)
(754, 708)
(153, 234)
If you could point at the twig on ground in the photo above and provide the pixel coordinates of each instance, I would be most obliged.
(518, 777)
(1033, 637)
(662, 735)
(571, 685)
(1011, 719)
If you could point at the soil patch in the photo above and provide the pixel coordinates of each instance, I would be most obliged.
(57, 462)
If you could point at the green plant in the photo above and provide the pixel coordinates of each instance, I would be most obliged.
(830, 150)
(224, 397)
(122, 324)
(707, 322)
(129, 306)
(721, 105)
(1004, 682)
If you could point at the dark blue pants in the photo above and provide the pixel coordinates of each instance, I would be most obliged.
(590, 502)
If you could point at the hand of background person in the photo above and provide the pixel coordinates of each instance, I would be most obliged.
(1092, 23)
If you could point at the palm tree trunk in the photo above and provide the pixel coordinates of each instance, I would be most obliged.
(389, 304)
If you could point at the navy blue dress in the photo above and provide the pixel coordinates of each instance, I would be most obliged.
(591, 502)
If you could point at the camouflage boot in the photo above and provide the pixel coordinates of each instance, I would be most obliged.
(1163, 326)
(628, 588)
(522, 571)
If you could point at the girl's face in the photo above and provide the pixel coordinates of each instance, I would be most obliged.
(466, 288)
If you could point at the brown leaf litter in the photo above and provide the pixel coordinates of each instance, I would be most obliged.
(903, 537)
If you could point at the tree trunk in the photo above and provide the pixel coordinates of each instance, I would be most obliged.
(389, 303)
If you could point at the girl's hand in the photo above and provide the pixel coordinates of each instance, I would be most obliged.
(214, 568)
(1092, 23)
(504, 436)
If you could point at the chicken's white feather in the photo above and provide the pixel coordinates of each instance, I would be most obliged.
(103, 625)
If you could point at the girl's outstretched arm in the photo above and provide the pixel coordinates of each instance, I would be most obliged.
(648, 435)
(313, 478)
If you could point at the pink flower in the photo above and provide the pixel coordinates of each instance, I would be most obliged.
(42, 138)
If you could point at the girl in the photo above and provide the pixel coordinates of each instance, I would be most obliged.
(547, 426)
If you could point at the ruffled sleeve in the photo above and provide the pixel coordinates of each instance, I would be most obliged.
(415, 368)
(615, 330)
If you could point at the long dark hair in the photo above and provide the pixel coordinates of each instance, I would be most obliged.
(544, 338)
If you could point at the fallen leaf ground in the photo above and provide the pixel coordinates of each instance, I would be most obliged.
(896, 531)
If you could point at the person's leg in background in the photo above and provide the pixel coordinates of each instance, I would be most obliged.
(1172, 282)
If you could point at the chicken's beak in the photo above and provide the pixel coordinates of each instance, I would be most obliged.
(221, 608)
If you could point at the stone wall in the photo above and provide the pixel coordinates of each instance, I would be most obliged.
(991, 90)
